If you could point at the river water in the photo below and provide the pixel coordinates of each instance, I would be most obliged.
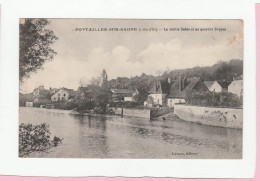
(98, 136)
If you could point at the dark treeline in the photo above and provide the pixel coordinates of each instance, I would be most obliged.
(222, 71)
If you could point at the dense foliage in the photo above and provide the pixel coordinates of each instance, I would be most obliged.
(36, 138)
(35, 46)
(219, 71)
(213, 99)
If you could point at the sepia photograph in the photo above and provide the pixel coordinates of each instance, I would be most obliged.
(131, 88)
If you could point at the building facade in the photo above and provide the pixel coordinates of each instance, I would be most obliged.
(158, 93)
(60, 95)
(183, 87)
(213, 86)
(122, 95)
(236, 87)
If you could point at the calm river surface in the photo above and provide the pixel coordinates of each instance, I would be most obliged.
(124, 137)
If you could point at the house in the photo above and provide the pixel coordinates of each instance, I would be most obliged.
(183, 87)
(83, 93)
(131, 98)
(61, 95)
(121, 94)
(213, 86)
(236, 87)
(224, 85)
(159, 91)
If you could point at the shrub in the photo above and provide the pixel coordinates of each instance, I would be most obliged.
(214, 99)
(36, 138)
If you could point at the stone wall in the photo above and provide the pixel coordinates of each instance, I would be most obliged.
(140, 113)
(160, 111)
(117, 110)
(222, 117)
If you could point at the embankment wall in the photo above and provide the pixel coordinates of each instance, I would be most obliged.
(140, 113)
(117, 110)
(222, 117)
(160, 111)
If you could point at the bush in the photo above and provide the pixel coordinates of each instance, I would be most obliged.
(36, 138)
(214, 99)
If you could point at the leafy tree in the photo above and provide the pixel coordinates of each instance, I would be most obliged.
(36, 138)
(104, 78)
(35, 46)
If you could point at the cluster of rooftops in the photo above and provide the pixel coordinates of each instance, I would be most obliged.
(182, 86)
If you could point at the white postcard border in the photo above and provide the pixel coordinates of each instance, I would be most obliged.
(12, 10)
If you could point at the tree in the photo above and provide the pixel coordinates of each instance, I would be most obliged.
(36, 138)
(35, 46)
(104, 78)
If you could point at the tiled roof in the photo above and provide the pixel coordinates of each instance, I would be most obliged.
(160, 87)
(175, 88)
(209, 83)
(224, 84)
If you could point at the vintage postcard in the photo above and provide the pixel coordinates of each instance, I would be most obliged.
(131, 88)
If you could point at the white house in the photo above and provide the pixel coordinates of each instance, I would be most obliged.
(159, 91)
(213, 86)
(61, 95)
(236, 87)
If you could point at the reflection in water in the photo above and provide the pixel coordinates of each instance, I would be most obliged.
(97, 136)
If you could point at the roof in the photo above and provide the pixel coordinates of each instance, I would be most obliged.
(236, 81)
(70, 91)
(224, 84)
(209, 83)
(122, 91)
(175, 88)
(160, 87)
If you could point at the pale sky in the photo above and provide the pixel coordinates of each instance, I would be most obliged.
(82, 55)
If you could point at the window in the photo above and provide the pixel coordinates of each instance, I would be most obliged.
(58, 94)
(64, 95)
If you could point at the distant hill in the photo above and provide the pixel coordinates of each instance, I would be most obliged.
(222, 71)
